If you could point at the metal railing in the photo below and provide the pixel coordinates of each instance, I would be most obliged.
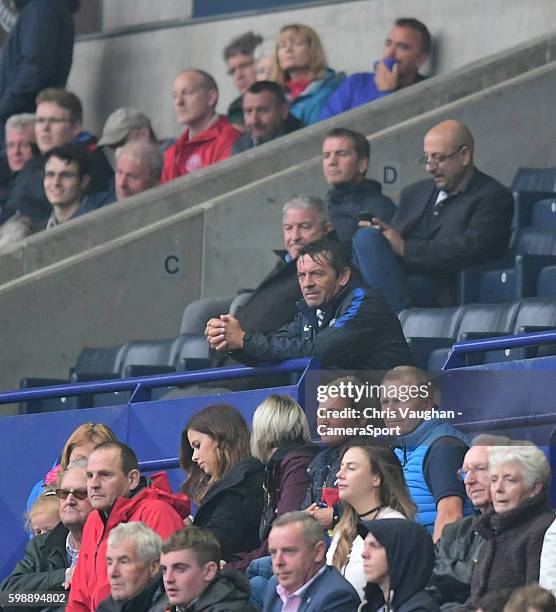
(141, 387)
(456, 358)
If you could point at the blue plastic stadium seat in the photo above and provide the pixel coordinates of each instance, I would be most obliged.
(104, 362)
(524, 201)
(481, 321)
(533, 249)
(497, 286)
(546, 283)
(469, 280)
(427, 329)
(486, 319)
(533, 314)
(196, 314)
(534, 179)
(194, 353)
(145, 357)
(544, 214)
(92, 364)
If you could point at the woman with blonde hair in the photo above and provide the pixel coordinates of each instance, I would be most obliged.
(300, 67)
(79, 445)
(83, 440)
(371, 486)
(281, 439)
(223, 478)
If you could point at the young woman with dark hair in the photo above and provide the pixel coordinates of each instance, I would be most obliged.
(223, 478)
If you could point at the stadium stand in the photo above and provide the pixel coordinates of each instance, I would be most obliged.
(127, 273)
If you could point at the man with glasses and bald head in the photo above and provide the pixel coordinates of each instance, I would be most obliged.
(457, 218)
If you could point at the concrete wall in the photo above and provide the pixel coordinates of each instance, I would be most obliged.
(137, 69)
(114, 221)
(98, 299)
(122, 290)
(125, 13)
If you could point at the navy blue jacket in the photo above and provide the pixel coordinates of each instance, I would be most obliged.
(330, 592)
(37, 54)
(359, 331)
(345, 202)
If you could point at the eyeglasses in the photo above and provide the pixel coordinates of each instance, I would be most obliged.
(50, 120)
(64, 175)
(477, 470)
(79, 494)
(436, 159)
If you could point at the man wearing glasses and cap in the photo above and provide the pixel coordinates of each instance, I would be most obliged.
(50, 558)
(460, 218)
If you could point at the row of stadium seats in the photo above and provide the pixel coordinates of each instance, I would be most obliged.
(430, 332)
(135, 358)
(529, 268)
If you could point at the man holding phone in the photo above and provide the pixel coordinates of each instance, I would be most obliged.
(352, 197)
(456, 219)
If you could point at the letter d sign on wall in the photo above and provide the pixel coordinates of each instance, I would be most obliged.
(391, 174)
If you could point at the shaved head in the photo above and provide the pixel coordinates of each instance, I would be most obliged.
(453, 133)
(448, 149)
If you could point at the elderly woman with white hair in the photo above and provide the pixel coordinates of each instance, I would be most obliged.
(514, 533)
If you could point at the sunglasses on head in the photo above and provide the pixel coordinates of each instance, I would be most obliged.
(80, 494)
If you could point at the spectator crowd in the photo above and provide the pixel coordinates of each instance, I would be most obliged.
(417, 518)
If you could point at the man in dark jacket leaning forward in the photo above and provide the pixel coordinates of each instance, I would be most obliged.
(344, 325)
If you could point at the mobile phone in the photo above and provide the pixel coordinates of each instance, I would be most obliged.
(366, 215)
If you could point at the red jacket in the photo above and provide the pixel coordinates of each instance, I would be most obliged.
(212, 145)
(162, 511)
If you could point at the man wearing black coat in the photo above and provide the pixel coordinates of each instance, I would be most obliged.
(201, 586)
(345, 161)
(459, 219)
(273, 303)
(344, 325)
(37, 54)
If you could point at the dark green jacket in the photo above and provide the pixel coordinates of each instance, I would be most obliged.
(43, 568)
(457, 553)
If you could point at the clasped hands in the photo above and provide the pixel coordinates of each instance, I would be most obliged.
(224, 333)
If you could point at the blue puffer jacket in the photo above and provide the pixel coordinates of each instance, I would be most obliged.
(412, 454)
(307, 107)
